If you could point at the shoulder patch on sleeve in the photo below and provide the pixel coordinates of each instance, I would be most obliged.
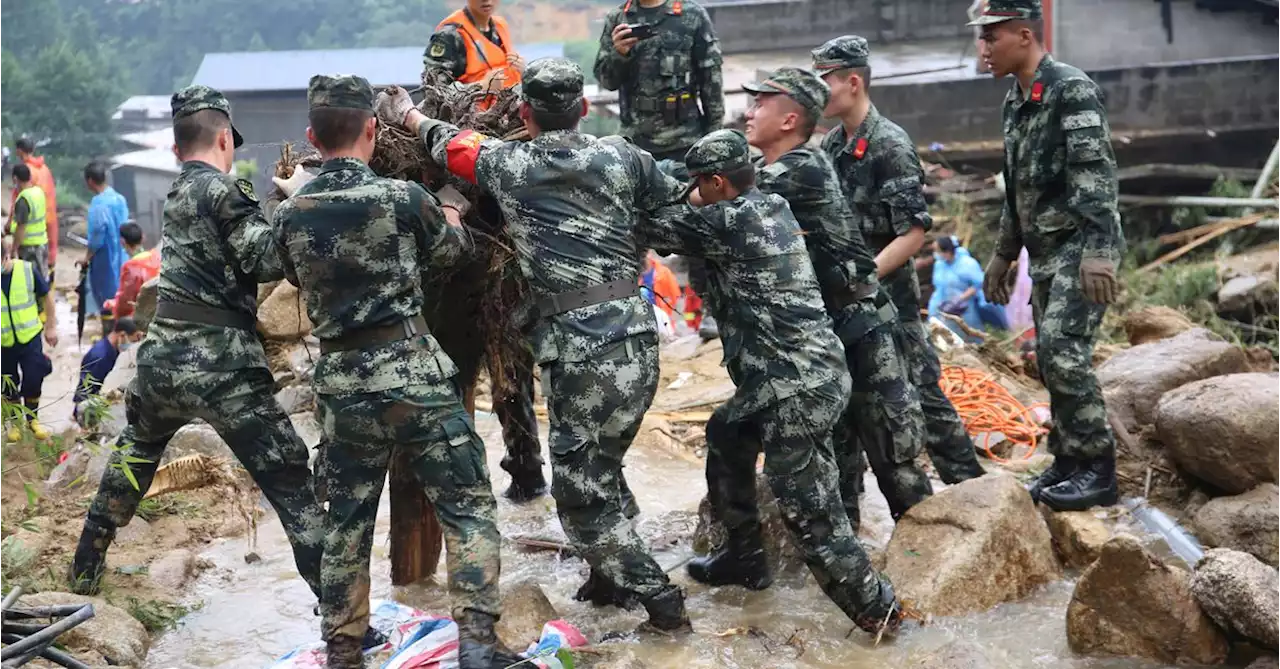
(246, 188)
(1081, 120)
(436, 50)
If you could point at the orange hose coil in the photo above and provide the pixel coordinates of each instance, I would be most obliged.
(986, 407)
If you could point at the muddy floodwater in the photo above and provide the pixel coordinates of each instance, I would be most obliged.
(252, 614)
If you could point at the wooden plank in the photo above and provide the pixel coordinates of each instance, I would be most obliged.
(416, 537)
(1187, 248)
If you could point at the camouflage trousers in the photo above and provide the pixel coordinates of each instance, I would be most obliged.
(241, 408)
(795, 435)
(595, 408)
(361, 431)
(946, 439)
(883, 420)
(1066, 325)
(519, 422)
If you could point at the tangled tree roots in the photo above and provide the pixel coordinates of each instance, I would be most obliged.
(480, 299)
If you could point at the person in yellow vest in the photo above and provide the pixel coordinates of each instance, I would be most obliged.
(28, 224)
(473, 46)
(23, 362)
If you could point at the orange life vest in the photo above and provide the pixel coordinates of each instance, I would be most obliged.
(483, 55)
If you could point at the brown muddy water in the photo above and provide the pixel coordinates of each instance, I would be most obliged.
(251, 614)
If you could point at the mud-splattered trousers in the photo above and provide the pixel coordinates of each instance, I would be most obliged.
(884, 418)
(595, 408)
(795, 435)
(362, 430)
(241, 408)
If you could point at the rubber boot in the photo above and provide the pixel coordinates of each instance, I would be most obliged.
(343, 652)
(881, 611)
(708, 330)
(1093, 484)
(91, 558)
(666, 613)
(600, 590)
(478, 646)
(1062, 468)
(40, 432)
(742, 561)
(526, 486)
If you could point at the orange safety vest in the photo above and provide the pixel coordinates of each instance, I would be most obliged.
(483, 55)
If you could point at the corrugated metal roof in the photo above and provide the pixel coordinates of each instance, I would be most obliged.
(252, 71)
(151, 106)
(160, 160)
(151, 139)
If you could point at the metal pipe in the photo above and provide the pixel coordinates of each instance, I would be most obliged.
(1198, 201)
(56, 611)
(51, 654)
(10, 598)
(49, 633)
(1265, 178)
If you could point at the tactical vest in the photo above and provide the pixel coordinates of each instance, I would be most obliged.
(36, 230)
(19, 316)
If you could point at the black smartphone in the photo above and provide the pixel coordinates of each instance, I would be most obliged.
(641, 30)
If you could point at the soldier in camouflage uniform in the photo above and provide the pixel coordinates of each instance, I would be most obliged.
(881, 175)
(792, 384)
(571, 202)
(354, 242)
(884, 415)
(670, 88)
(1061, 204)
(202, 357)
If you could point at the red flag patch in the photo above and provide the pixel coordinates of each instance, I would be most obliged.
(860, 149)
(1037, 92)
(462, 153)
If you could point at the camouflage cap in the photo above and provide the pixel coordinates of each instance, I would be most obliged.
(340, 91)
(552, 84)
(199, 98)
(718, 152)
(996, 11)
(841, 52)
(800, 85)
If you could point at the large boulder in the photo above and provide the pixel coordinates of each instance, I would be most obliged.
(1133, 380)
(970, 547)
(1247, 295)
(145, 308)
(111, 633)
(1245, 522)
(1130, 603)
(1078, 536)
(196, 438)
(283, 315)
(784, 557)
(525, 609)
(172, 570)
(1149, 324)
(1224, 430)
(1240, 593)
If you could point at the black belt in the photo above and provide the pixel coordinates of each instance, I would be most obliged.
(206, 315)
(846, 295)
(366, 337)
(585, 297)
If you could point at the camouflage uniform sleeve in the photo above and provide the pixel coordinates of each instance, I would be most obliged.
(611, 67)
(247, 232)
(1091, 169)
(707, 76)
(681, 228)
(440, 245)
(446, 53)
(464, 153)
(902, 189)
(279, 223)
(656, 189)
(1009, 241)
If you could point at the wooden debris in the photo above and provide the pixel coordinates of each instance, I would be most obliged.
(1221, 229)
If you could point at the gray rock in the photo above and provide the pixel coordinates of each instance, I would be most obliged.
(297, 398)
(784, 557)
(34, 535)
(196, 438)
(1078, 536)
(1245, 522)
(1149, 324)
(111, 632)
(136, 532)
(145, 309)
(525, 609)
(1224, 430)
(955, 655)
(1133, 380)
(1264, 663)
(1241, 295)
(172, 570)
(1240, 593)
(283, 315)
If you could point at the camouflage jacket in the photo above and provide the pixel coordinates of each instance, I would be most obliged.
(881, 175)
(217, 247)
(570, 202)
(1059, 173)
(355, 243)
(683, 57)
(778, 340)
(807, 181)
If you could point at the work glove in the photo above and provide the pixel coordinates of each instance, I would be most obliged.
(452, 198)
(1098, 279)
(393, 105)
(995, 283)
(292, 184)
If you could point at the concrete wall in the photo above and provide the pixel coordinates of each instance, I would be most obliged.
(1117, 33)
(145, 191)
(764, 25)
(1218, 94)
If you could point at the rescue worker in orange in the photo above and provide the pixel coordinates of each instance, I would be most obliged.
(472, 46)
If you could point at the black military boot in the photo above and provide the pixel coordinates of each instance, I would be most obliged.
(1062, 468)
(526, 486)
(1093, 484)
(343, 652)
(742, 561)
(91, 558)
(666, 613)
(601, 591)
(881, 610)
(478, 646)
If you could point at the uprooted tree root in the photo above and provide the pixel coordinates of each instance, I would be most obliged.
(496, 305)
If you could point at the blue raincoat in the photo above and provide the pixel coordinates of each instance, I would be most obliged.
(107, 212)
(951, 279)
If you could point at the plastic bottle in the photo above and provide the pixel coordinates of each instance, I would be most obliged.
(1158, 522)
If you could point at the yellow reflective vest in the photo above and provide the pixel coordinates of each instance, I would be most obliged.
(19, 315)
(37, 233)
